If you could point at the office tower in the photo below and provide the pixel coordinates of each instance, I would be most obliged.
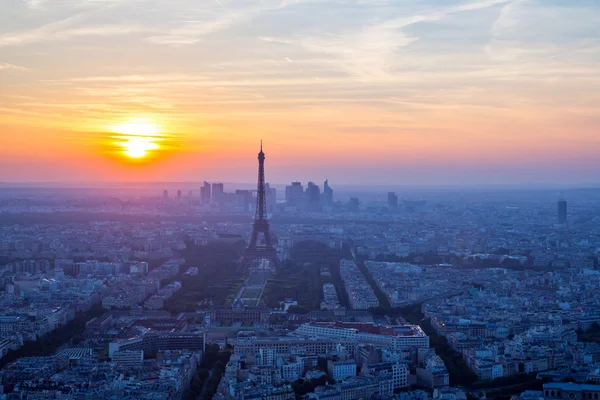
(327, 194)
(217, 190)
(243, 199)
(313, 196)
(256, 250)
(562, 211)
(190, 194)
(392, 201)
(207, 195)
(271, 194)
(294, 193)
(179, 194)
(165, 194)
(353, 204)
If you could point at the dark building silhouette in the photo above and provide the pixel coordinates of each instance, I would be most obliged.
(354, 204)
(243, 199)
(217, 190)
(179, 194)
(260, 250)
(271, 194)
(294, 193)
(562, 211)
(313, 197)
(205, 193)
(166, 194)
(392, 201)
(327, 198)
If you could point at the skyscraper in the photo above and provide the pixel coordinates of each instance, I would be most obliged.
(165, 194)
(207, 193)
(179, 194)
(294, 193)
(243, 199)
(313, 197)
(217, 190)
(392, 201)
(271, 197)
(562, 211)
(327, 194)
(313, 192)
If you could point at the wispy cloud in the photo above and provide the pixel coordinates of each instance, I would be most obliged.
(4, 66)
(34, 4)
(68, 19)
(210, 21)
(136, 78)
(221, 5)
(60, 30)
(48, 5)
(500, 47)
(194, 31)
(276, 40)
(369, 52)
(537, 35)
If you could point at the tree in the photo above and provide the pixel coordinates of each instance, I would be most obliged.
(52, 341)
(502, 251)
(322, 364)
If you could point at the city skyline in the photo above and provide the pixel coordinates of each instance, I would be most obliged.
(454, 93)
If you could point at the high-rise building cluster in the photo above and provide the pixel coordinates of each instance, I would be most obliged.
(213, 197)
(311, 199)
(210, 192)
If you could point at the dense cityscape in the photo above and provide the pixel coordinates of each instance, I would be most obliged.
(300, 293)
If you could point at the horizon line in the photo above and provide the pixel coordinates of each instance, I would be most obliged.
(93, 184)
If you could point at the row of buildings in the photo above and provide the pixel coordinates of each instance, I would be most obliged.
(73, 375)
(360, 294)
(356, 359)
(522, 322)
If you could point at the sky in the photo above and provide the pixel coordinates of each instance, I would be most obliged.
(357, 91)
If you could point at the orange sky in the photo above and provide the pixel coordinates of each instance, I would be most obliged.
(452, 92)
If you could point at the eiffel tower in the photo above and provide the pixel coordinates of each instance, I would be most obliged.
(255, 250)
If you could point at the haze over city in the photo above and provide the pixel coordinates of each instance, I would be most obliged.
(360, 92)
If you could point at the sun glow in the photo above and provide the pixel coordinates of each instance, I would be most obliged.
(138, 147)
(137, 138)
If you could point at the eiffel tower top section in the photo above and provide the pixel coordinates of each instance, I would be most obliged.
(261, 204)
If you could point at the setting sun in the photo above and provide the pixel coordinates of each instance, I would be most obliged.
(137, 147)
(137, 138)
